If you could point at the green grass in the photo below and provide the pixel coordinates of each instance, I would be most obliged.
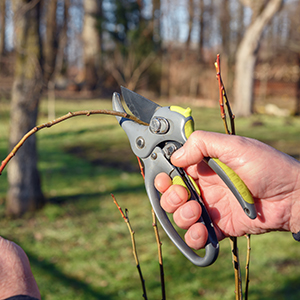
(78, 244)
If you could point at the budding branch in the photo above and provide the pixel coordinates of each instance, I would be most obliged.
(63, 118)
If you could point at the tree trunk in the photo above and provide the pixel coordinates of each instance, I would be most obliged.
(50, 50)
(50, 46)
(201, 30)
(246, 58)
(25, 192)
(156, 23)
(2, 27)
(241, 26)
(225, 19)
(190, 24)
(297, 108)
(91, 42)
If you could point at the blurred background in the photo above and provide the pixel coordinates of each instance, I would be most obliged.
(166, 48)
(58, 56)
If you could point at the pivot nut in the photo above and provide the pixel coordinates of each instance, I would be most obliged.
(140, 142)
(159, 125)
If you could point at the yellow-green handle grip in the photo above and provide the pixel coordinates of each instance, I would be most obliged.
(235, 184)
(231, 179)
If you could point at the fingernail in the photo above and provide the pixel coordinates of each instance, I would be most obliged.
(177, 154)
(195, 234)
(174, 199)
(187, 213)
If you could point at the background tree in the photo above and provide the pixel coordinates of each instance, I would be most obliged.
(92, 36)
(292, 47)
(24, 193)
(191, 10)
(2, 27)
(50, 50)
(50, 39)
(201, 30)
(134, 48)
(246, 57)
(165, 47)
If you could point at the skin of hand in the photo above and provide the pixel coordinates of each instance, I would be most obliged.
(16, 277)
(271, 176)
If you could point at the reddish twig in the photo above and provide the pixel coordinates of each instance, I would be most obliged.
(134, 251)
(223, 100)
(61, 119)
(141, 167)
(224, 104)
(160, 259)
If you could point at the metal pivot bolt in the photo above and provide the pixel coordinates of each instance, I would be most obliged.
(140, 142)
(154, 155)
(159, 125)
(169, 149)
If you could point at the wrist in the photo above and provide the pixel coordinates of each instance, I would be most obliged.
(295, 217)
(295, 210)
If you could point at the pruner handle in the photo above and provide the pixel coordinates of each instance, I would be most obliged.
(235, 184)
(212, 245)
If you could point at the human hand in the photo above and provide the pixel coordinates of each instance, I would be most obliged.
(271, 176)
(16, 277)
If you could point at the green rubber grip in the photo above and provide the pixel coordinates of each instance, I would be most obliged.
(235, 184)
(231, 179)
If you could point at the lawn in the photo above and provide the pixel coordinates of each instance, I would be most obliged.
(78, 244)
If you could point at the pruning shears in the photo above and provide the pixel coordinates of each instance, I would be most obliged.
(166, 129)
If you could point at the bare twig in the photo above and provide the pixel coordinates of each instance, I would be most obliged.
(236, 267)
(224, 104)
(141, 167)
(247, 279)
(63, 118)
(223, 100)
(134, 251)
(158, 241)
(160, 259)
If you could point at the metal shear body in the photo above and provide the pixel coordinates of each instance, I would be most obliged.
(168, 129)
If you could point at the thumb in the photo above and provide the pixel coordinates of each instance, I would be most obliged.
(203, 144)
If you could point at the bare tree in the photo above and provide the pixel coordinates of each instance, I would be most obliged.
(156, 21)
(225, 19)
(2, 27)
(24, 193)
(263, 12)
(50, 45)
(91, 42)
(191, 10)
(201, 30)
(240, 21)
(291, 46)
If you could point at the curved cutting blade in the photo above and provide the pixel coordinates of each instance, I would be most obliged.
(141, 107)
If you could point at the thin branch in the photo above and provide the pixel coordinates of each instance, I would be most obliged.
(236, 267)
(160, 259)
(224, 104)
(247, 276)
(134, 251)
(158, 241)
(61, 119)
(141, 167)
(223, 100)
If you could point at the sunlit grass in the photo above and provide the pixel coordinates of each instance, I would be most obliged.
(79, 245)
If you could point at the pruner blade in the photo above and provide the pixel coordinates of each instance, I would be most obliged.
(140, 106)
